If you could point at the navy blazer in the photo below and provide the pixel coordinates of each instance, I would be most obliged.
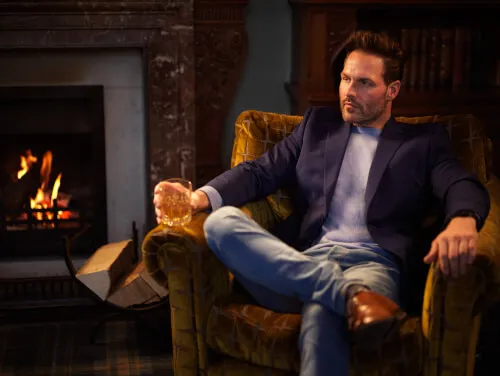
(413, 168)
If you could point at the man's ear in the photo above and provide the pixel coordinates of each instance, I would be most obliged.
(393, 90)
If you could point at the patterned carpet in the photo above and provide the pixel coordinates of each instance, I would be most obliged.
(64, 349)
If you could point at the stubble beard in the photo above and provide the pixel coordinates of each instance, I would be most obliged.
(362, 116)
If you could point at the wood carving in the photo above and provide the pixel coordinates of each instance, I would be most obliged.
(220, 48)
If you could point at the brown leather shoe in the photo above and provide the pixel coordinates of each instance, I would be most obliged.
(373, 319)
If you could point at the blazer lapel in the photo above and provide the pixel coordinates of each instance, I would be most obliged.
(335, 147)
(391, 138)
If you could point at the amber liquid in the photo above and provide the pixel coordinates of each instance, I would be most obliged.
(176, 208)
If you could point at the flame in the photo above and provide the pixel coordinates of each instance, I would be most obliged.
(45, 170)
(55, 189)
(42, 199)
(26, 163)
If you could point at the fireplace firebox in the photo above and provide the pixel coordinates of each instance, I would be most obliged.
(52, 170)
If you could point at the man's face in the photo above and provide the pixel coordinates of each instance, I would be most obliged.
(362, 91)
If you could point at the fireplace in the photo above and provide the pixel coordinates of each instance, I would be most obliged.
(67, 43)
(52, 170)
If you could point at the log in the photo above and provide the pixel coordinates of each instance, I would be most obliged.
(16, 193)
(107, 266)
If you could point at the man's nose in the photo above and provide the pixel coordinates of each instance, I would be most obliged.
(350, 91)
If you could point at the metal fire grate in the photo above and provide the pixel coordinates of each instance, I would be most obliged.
(35, 233)
(40, 232)
(41, 219)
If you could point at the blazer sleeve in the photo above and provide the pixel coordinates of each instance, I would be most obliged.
(252, 180)
(456, 189)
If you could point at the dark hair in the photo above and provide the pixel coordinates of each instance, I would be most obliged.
(382, 45)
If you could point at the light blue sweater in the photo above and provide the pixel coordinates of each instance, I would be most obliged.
(346, 221)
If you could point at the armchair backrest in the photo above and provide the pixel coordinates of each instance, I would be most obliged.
(255, 133)
(469, 141)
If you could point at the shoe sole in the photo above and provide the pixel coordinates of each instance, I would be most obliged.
(371, 336)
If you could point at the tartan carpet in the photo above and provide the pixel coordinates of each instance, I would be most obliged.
(123, 348)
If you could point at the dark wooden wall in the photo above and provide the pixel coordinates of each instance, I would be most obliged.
(453, 61)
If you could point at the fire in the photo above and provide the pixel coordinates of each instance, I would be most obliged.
(26, 162)
(45, 197)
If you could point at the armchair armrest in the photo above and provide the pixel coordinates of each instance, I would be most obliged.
(452, 307)
(489, 243)
(180, 257)
(195, 277)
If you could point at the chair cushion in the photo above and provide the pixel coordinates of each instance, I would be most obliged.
(259, 336)
(249, 332)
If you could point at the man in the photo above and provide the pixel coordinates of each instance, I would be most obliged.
(361, 184)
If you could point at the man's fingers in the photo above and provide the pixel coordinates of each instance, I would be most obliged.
(453, 260)
(432, 255)
(463, 256)
(159, 187)
(168, 187)
(472, 250)
(443, 257)
(175, 187)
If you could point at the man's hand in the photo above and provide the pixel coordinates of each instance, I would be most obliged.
(455, 247)
(199, 200)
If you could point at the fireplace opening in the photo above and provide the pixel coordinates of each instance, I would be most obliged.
(52, 170)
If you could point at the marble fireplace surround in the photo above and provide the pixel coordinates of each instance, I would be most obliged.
(193, 56)
(162, 29)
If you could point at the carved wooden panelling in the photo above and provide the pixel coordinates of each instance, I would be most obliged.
(220, 49)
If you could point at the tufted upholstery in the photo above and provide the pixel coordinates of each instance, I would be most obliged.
(218, 331)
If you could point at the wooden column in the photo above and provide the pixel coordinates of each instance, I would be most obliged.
(220, 51)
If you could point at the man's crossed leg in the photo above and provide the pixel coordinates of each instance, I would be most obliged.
(314, 282)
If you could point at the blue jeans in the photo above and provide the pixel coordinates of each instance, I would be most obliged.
(312, 283)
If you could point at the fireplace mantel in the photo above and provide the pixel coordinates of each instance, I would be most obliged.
(93, 6)
(164, 32)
